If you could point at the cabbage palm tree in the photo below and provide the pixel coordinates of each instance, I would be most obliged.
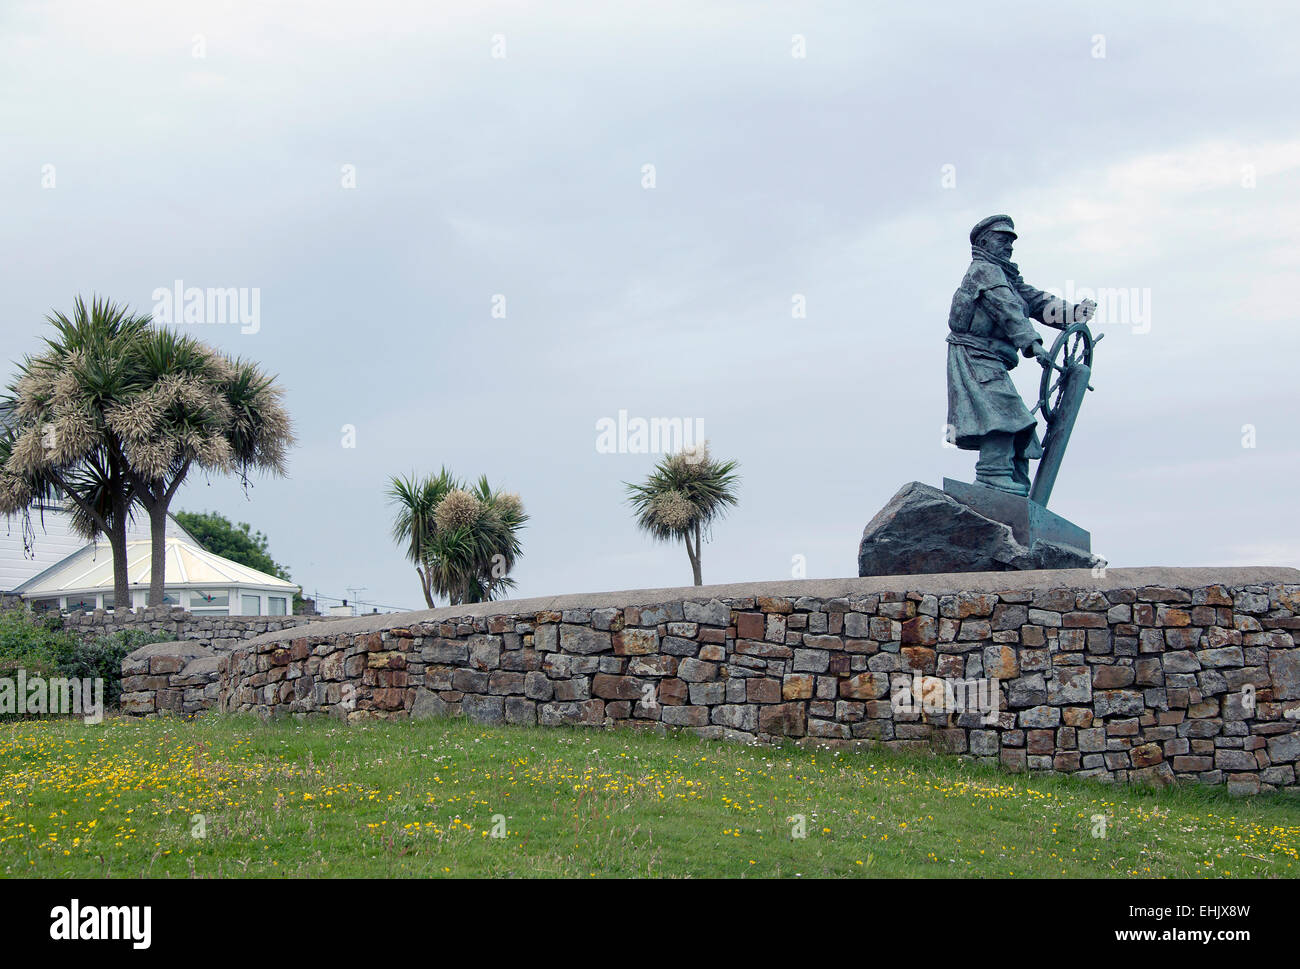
(57, 439)
(115, 412)
(682, 497)
(414, 525)
(463, 541)
(190, 406)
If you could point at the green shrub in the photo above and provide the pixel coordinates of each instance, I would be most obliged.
(30, 642)
(41, 646)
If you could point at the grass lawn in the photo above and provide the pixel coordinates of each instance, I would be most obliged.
(124, 798)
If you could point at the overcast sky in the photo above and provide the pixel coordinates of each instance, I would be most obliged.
(799, 150)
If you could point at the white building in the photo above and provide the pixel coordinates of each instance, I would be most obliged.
(62, 572)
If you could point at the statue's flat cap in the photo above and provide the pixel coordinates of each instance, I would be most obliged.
(999, 223)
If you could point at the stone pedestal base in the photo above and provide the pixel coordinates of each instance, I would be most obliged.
(1029, 521)
(923, 530)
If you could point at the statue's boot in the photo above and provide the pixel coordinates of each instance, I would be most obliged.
(1026, 447)
(996, 465)
(1003, 483)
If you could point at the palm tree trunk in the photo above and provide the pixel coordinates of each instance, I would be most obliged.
(424, 586)
(116, 533)
(157, 553)
(114, 529)
(156, 496)
(693, 553)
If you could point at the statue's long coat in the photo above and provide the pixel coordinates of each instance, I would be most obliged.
(988, 328)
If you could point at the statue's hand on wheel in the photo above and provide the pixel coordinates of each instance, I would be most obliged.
(1084, 311)
(1041, 354)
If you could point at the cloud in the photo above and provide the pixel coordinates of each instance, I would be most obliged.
(1264, 553)
(777, 176)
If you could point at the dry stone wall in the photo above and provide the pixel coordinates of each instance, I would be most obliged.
(175, 677)
(219, 633)
(1186, 678)
(178, 676)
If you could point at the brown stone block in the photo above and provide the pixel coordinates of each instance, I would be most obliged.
(951, 665)
(619, 709)
(864, 686)
(750, 625)
(783, 720)
(920, 658)
(635, 642)
(1067, 761)
(798, 686)
(609, 687)
(920, 631)
(672, 691)
(167, 664)
(776, 604)
(137, 704)
(386, 661)
(1076, 717)
(1146, 755)
(1040, 741)
(755, 647)
(1214, 595)
(504, 682)
(1170, 616)
(1083, 620)
(1111, 677)
(387, 698)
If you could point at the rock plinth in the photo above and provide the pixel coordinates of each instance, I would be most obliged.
(925, 531)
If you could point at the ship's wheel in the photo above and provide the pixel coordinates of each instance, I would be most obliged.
(1073, 346)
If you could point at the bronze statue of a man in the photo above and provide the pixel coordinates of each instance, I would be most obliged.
(988, 327)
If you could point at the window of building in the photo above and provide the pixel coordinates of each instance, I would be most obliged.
(276, 606)
(209, 603)
(251, 605)
(45, 605)
(83, 603)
